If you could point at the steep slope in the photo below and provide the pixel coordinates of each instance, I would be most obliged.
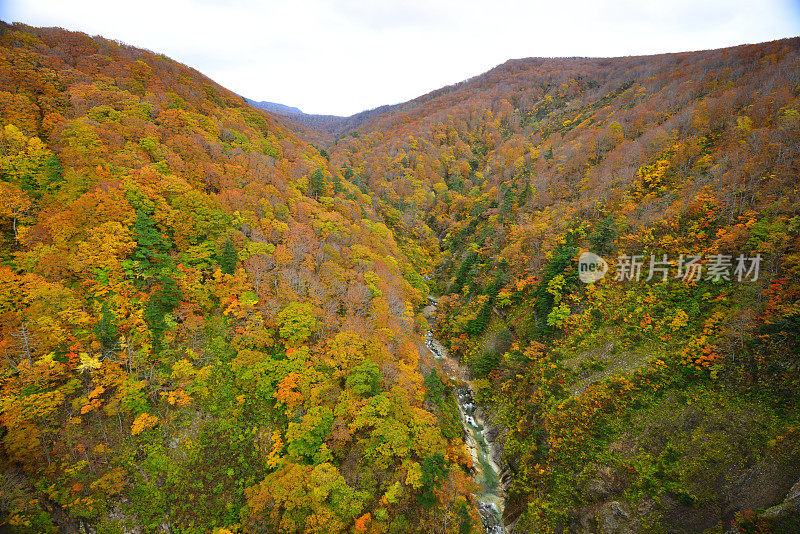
(658, 401)
(204, 325)
(207, 323)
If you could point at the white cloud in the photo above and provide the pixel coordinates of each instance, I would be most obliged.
(343, 56)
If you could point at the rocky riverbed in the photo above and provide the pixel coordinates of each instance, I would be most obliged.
(480, 438)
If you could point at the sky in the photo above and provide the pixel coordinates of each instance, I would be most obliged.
(340, 57)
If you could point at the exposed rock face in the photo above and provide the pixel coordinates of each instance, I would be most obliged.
(609, 482)
(718, 476)
(761, 486)
(753, 489)
(495, 435)
(614, 517)
(785, 517)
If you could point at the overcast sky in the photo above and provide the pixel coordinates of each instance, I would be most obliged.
(344, 56)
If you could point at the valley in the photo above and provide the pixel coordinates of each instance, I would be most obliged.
(227, 319)
(484, 452)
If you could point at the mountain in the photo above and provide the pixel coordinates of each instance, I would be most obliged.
(652, 399)
(204, 325)
(215, 318)
(324, 129)
(275, 108)
(317, 129)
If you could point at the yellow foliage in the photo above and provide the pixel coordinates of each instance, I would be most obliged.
(142, 423)
(88, 363)
(414, 476)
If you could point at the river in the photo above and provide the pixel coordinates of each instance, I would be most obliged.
(486, 471)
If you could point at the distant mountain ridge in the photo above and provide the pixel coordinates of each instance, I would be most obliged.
(274, 107)
(320, 129)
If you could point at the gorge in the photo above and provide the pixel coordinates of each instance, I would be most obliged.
(215, 318)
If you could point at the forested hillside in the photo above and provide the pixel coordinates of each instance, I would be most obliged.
(659, 401)
(204, 325)
(211, 317)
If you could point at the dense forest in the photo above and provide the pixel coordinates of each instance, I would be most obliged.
(211, 316)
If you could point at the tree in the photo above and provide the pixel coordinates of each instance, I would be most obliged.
(152, 245)
(433, 471)
(317, 185)
(305, 439)
(297, 322)
(107, 330)
(228, 257)
(301, 498)
(162, 302)
(365, 379)
(14, 203)
(604, 234)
